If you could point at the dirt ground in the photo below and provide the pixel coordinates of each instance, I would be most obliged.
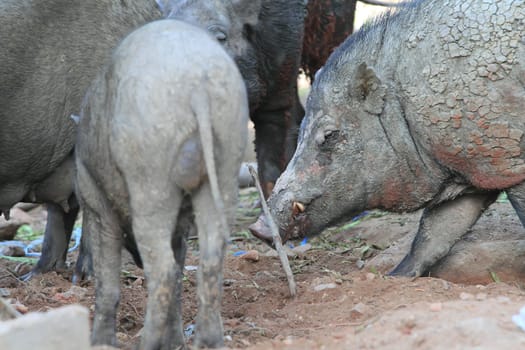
(340, 304)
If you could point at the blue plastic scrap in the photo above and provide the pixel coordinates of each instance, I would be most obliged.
(189, 330)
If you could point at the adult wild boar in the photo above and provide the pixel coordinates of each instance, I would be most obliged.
(50, 51)
(163, 129)
(264, 37)
(421, 109)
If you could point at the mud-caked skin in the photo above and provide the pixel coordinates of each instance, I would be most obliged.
(50, 52)
(266, 45)
(161, 138)
(422, 109)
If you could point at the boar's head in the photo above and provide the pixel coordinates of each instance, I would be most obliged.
(339, 157)
(233, 23)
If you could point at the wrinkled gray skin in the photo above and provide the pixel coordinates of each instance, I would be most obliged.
(163, 130)
(50, 51)
(423, 109)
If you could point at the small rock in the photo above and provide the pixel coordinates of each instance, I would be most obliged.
(21, 308)
(435, 307)
(73, 295)
(360, 264)
(358, 311)
(59, 329)
(228, 338)
(272, 253)
(466, 296)
(251, 255)
(301, 249)
(370, 276)
(4, 292)
(288, 341)
(324, 286)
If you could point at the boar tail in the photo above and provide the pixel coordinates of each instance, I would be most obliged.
(200, 104)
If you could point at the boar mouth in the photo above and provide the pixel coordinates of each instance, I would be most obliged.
(296, 229)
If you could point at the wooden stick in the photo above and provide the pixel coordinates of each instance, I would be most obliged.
(275, 234)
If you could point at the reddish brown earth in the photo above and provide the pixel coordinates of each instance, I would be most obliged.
(359, 308)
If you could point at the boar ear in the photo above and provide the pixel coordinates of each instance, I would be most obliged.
(368, 88)
(248, 10)
(166, 6)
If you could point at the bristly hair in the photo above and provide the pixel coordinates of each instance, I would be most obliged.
(181, 4)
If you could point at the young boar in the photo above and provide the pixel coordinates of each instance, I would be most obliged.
(162, 131)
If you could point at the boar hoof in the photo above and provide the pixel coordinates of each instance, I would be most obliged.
(406, 268)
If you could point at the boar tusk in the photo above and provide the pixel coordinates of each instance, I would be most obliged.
(298, 207)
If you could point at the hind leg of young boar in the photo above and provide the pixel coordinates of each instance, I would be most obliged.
(212, 243)
(101, 228)
(440, 227)
(154, 221)
(516, 197)
(185, 225)
(105, 239)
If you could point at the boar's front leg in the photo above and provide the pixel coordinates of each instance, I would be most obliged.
(276, 135)
(440, 227)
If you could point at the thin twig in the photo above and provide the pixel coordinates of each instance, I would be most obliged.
(275, 234)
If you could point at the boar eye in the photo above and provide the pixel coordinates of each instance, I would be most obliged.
(219, 33)
(220, 36)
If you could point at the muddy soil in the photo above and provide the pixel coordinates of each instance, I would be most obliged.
(340, 304)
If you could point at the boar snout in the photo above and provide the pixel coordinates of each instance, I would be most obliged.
(261, 230)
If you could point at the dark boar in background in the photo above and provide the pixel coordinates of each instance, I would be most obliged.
(50, 50)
